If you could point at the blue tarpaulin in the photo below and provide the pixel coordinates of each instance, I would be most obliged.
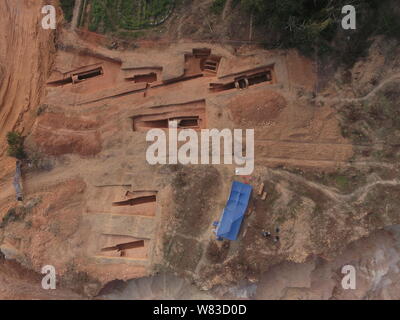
(232, 216)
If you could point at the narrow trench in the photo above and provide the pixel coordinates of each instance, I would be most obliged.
(187, 122)
(77, 77)
(135, 201)
(243, 82)
(183, 122)
(260, 77)
(181, 79)
(216, 87)
(89, 74)
(122, 247)
(157, 124)
(60, 83)
(144, 78)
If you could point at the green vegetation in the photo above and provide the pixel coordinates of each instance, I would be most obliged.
(110, 15)
(216, 253)
(382, 204)
(217, 6)
(42, 108)
(130, 35)
(388, 22)
(39, 162)
(79, 281)
(68, 8)
(342, 182)
(9, 216)
(375, 124)
(315, 26)
(13, 214)
(345, 180)
(16, 145)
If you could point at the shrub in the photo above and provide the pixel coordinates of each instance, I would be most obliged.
(217, 6)
(68, 8)
(314, 26)
(16, 145)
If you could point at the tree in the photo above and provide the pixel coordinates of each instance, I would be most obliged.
(16, 145)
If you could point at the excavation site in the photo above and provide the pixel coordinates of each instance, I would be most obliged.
(199, 150)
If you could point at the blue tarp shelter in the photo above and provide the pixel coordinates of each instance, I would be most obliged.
(232, 216)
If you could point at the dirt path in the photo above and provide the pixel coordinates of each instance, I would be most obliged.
(394, 78)
(320, 163)
(360, 194)
(327, 191)
(332, 193)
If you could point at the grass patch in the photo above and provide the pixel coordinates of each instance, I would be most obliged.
(342, 182)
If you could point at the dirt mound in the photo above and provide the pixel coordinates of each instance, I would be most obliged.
(57, 134)
(19, 283)
(60, 121)
(256, 110)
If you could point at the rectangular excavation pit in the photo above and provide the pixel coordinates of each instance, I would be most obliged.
(197, 64)
(187, 122)
(201, 62)
(146, 78)
(59, 83)
(201, 52)
(210, 65)
(192, 66)
(163, 121)
(243, 81)
(144, 205)
(120, 246)
(77, 77)
(135, 201)
(209, 62)
(260, 77)
(142, 75)
(88, 74)
(187, 116)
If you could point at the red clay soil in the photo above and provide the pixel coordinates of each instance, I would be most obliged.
(57, 134)
(255, 110)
